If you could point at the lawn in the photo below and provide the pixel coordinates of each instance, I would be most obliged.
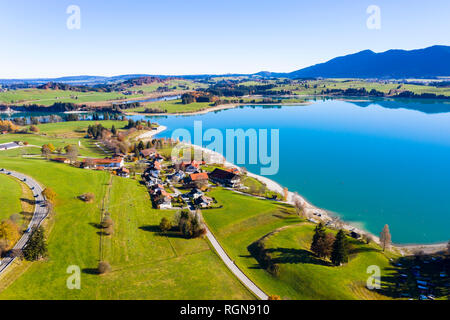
(145, 264)
(10, 194)
(244, 220)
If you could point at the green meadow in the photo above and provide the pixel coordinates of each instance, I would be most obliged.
(145, 264)
(244, 220)
(49, 97)
(10, 194)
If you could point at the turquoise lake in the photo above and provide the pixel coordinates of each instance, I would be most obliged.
(372, 163)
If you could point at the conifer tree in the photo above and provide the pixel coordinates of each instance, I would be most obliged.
(339, 254)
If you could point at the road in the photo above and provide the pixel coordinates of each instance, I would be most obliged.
(227, 260)
(40, 213)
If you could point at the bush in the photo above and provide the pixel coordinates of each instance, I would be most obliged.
(107, 222)
(33, 128)
(87, 197)
(49, 194)
(103, 267)
(274, 297)
(165, 225)
(109, 230)
(273, 269)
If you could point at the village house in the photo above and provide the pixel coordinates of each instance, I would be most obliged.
(123, 172)
(203, 201)
(147, 153)
(226, 178)
(108, 164)
(197, 179)
(61, 160)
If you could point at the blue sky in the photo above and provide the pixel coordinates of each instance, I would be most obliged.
(205, 36)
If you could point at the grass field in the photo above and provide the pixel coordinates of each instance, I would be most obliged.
(145, 264)
(60, 134)
(10, 194)
(49, 97)
(244, 220)
(316, 87)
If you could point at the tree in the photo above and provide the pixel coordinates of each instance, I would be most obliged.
(45, 150)
(107, 222)
(317, 244)
(103, 267)
(34, 128)
(299, 206)
(339, 253)
(71, 152)
(165, 224)
(113, 130)
(385, 238)
(37, 246)
(49, 194)
(141, 145)
(9, 232)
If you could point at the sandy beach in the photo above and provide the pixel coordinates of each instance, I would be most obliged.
(149, 134)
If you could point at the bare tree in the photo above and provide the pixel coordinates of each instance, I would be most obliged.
(299, 206)
(385, 238)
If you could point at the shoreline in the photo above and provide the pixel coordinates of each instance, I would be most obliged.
(216, 108)
(318, 214)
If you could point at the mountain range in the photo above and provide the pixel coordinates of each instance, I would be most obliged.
(429, 62)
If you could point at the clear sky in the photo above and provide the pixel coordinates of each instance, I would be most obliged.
(205, 36)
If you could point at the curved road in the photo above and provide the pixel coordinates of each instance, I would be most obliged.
(226, 259)
(40, 213)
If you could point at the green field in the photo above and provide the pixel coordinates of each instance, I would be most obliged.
(10, 194)
(316, 87)
(145, 265)
(244, 220)
(60, 134)
(49, 97)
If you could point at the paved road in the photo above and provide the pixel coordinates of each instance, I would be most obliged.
(226, 259)
(9, 145)
(40, 213)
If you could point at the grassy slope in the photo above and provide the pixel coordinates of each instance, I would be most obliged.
(145, 265)
(244, 220)
(10, 194)
(310, 279)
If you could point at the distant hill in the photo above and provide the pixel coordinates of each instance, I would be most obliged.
(393, 64)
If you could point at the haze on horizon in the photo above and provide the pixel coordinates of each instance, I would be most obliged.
(205, 37)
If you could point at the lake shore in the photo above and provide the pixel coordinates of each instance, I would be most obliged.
(216, 108)
(314, 213)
